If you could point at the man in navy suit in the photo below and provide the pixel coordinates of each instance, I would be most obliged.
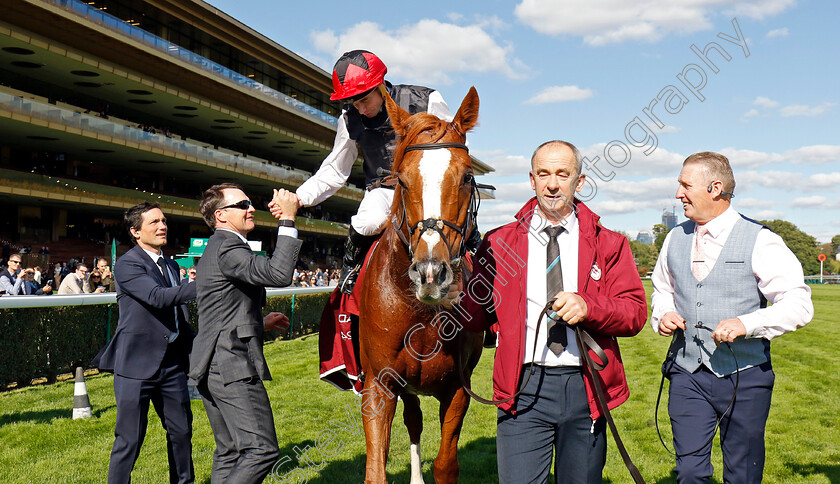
(149, 353)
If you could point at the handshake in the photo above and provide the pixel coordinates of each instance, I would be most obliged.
(284, 204)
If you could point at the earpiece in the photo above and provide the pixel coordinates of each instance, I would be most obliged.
(710, 187)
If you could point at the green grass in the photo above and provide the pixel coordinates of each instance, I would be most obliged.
(40, 443)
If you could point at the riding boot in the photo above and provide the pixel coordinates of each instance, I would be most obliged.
(473, 240)
(355, 249)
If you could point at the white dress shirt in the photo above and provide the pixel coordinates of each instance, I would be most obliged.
(336, 167)
(155, 256)
(777, 271)
(536, 288)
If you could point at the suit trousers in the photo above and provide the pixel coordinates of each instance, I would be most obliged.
(552, 417)
(243, 427)
(167, 390)
(696, 401)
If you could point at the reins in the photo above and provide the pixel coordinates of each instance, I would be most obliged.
(585, 342)
(669, 358)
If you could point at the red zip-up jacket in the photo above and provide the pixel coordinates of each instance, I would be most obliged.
(615, 300)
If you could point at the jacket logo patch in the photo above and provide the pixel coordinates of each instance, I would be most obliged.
(595, 273)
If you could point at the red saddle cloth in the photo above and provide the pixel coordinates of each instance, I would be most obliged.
(339, 361)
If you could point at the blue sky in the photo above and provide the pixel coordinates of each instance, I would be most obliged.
(583, 70)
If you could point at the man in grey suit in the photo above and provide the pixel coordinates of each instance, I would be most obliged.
(227, 361)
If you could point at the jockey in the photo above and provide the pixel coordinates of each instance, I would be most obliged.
(364, 124)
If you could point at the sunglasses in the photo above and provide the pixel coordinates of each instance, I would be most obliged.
(243, 205)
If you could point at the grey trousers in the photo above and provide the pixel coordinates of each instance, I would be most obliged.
(552, 417)
(243, 427)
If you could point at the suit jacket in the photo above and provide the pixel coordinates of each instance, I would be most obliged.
(231, 293)
(147, 317)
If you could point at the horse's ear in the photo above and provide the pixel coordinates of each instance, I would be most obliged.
(467, 116)
(397, 114)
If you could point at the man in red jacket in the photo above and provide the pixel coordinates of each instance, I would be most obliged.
(555, 248)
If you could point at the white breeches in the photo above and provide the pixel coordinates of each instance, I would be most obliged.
(373, 211)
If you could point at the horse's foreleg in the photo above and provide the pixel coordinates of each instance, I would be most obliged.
(452, 412)
(413, 418)
(378, 409)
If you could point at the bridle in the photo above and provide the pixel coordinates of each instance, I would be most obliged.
(437, 224)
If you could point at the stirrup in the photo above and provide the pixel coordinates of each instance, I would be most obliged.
(347, 279)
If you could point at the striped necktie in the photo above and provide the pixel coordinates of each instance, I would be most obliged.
(556, 333)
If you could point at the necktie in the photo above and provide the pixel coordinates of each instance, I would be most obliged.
(556, 333)
(162, 264)
(698, 262)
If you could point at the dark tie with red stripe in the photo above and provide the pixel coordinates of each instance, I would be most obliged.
(556, 333)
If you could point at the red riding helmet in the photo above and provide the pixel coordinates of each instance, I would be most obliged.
(356, 72)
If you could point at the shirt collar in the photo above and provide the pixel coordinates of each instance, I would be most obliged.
(153, 255)
(235, 232)
(717, 225)
(538, 223)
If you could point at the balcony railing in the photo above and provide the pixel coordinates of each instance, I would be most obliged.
(254, 167)
(122, 27)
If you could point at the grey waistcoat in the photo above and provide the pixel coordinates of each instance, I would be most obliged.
(730, 290)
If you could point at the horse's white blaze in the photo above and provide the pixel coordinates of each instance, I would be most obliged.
(433, 166)
(416, 465)
(431, 239)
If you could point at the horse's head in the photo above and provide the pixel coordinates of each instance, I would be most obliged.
(433, 212)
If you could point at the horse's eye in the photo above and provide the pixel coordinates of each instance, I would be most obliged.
(468, 179)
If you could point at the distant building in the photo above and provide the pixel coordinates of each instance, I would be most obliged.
(645, 238)
(669, 219)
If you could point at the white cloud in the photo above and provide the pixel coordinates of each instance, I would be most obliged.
(667, 129)
(765, 102)
(822, 181)
(504, 164)
(557, 94)
(768, 215)
(814, 154)
(601, 22)
(751, 203)
(749, 114)
(783, 32)
(658, 162)
(816, 201)
(803, 110)
(784, 180)
(427, 52)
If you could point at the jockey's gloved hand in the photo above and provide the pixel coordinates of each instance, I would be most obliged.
(473, 240)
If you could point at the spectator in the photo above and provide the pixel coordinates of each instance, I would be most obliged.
(34, 287)
(76, 282)
(104, 270)
(38, 274)
(183, 271)
(12, 278)
(95, 282)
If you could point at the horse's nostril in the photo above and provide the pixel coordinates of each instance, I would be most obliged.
(441, 274)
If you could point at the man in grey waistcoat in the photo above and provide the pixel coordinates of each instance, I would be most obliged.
(227, 360)
(715, 274)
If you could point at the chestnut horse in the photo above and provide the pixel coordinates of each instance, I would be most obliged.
(406, 347)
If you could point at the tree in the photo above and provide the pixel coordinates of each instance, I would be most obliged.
(659, 233)
(835, 245)
(801, 244)
(644, 256)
